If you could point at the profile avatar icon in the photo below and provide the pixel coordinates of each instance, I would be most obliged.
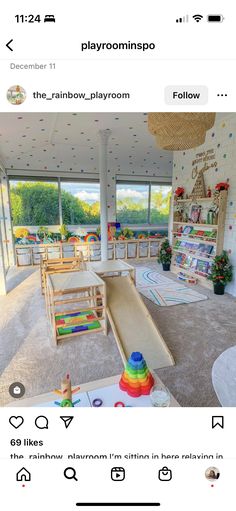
(16, 95)
(212, 473)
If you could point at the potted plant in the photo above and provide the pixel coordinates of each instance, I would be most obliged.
(221, 273)
(127, 233)
(221, 187)
(63, 232)
(44, 234)
(179, 192)
(165, 254)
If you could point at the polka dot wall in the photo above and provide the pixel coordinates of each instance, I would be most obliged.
(67, 144)
(222, 138)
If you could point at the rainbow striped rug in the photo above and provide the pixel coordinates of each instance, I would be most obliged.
(163, 291)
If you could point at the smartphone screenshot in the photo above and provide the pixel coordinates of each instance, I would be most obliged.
(117, 256)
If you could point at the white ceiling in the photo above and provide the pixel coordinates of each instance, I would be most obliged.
(68, 142)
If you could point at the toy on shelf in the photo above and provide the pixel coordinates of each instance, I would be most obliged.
(136, 379)
(73, 239)
(114, 230)
(186, 278)
(66, 393)
(91, 237)
(21, 232)
(199, 190)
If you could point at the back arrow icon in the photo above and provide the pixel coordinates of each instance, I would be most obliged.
(8, 45)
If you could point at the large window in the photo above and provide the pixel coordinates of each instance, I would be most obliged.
(39, 202)
(34, 202)
(80, 203)
(142, 203)
(132, 203)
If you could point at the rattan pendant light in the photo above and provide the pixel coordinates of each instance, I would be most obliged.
(179, 131)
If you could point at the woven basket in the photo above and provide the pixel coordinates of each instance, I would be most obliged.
(178, 131)
(174, 143)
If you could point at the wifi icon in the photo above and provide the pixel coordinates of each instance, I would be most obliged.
(197, 17)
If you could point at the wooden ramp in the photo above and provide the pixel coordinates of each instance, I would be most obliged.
(132, 325)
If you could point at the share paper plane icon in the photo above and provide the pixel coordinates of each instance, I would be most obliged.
(67, 420)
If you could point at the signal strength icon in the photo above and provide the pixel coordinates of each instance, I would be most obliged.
(197, 17)
(184, 19)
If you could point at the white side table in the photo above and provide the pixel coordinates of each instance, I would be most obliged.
(224, 377)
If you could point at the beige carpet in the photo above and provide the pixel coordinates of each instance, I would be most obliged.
(27, 354)
(195, 333)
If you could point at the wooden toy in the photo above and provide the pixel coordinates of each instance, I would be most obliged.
(116, 268)
(132, 324)
(76, 304)
(136, 379)
(199, 190)
(66, 393)
(91, 237)
(62, 264)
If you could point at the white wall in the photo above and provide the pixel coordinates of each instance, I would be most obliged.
(221, 138)
(3, 251)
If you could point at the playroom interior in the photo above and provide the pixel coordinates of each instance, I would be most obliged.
(117, 259)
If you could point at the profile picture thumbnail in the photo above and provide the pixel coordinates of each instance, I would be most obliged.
(16, 95)
(212, 473)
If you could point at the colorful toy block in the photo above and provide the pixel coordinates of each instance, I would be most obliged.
(136, 379)
(76, 322)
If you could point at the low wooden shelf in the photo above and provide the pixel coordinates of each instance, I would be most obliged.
(147, 248)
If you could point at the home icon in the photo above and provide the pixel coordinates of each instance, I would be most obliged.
(23, 475)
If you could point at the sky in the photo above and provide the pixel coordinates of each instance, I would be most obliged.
(88, 192)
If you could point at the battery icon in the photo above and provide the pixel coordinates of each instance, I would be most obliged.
(215, 18)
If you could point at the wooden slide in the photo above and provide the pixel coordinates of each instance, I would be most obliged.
(132, 325)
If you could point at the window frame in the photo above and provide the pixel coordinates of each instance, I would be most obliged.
(62, 180)
(149, 184)
(36, 179)
(59, 181)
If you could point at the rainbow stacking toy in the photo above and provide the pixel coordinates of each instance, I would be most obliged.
(136, 379)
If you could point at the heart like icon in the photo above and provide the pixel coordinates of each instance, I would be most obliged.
(16, 422)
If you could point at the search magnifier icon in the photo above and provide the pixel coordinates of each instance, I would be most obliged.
(70, 473)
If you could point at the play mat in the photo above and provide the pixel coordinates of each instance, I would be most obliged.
(163, 291)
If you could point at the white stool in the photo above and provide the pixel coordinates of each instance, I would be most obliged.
(224, 377)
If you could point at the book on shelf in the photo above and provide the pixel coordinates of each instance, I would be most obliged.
(187, 229)
(192, 231)
(180, 258)
(205, 249)
(194, 247)
(194, 263)
(210, 234)
(195, 213)
(198, 232)
(202, 267)
(177, 244)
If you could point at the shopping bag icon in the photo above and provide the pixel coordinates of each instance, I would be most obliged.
(165, 474)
